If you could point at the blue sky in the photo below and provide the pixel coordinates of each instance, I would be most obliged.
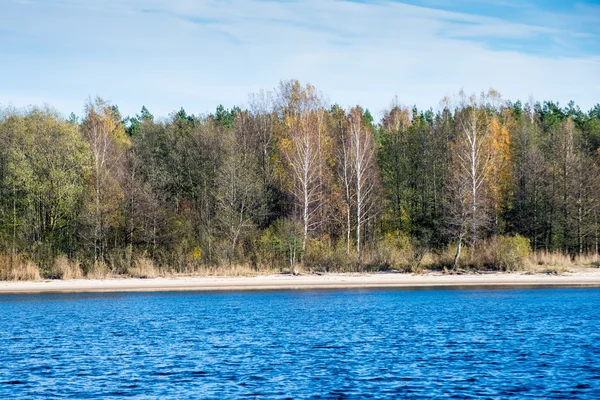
(168, 54)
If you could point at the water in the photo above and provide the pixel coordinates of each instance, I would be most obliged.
(298, 344)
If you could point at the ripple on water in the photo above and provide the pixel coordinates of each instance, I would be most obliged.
(298, 344)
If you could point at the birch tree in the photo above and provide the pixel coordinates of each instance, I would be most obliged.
(301, 149)
(473, 156)
(344, 170)
(362, 157)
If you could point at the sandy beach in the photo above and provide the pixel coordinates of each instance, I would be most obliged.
(588, 278)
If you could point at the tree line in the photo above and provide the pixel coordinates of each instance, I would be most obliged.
(293, 181)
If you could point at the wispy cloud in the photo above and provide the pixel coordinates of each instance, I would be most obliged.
(167, 54)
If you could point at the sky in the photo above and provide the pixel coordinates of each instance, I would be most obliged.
(168, 54)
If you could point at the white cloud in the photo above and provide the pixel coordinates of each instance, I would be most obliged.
(167, 54)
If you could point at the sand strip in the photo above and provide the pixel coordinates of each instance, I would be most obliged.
(590, 278)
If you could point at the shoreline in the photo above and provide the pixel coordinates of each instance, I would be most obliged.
(588, 278)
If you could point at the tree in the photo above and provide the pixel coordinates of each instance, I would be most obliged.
(263, 120)
(473, 156)
(302, 148)
(240, 192)
(105, 135)
(43, 169)
(292, 180)
(393, 161)
(363, 172)
(528, 165)
(344, 168)
(500, 173)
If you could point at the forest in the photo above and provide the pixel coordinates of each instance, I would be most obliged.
(291, 183)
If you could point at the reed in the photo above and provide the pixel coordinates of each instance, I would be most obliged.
(16, 268)
(144, 268)
(98, 270)
(66, 269)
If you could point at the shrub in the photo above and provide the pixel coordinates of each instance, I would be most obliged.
(506, 253)
(119, 260)
(325, 256)
(317, 255)
(393, 251)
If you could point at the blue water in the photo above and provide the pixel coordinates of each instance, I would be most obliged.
(303, 344)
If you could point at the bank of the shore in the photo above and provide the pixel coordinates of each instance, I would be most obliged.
(588, 278)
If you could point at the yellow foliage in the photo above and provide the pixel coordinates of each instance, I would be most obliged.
(501, 165)
(285, 143)
(196, 253)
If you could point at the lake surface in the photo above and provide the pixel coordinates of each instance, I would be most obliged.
(303, 344)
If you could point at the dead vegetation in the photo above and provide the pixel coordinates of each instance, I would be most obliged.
(495, 255)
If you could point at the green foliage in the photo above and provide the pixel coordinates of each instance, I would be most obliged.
(224, 118)
(272, 246)
(46, 163)
(507, 253)
(190, 192)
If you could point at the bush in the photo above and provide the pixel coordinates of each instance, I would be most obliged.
(325, 256)
(505, 253)
(392, 252)
(119, 260)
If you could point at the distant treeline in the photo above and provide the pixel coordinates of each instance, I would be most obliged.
(293, 181)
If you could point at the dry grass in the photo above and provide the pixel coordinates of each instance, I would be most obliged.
(588, 260)
(558, 263)
(383, 257)
(18, 270)
(232, 270)
(550, 259)
(99, 270)
(66, 269)
(144, 268)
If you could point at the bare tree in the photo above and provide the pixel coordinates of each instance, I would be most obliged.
(239, 193)
(302, 151)
(472, 163)
(344, 169)
(302, 155)
(363, 170)
(261, 110)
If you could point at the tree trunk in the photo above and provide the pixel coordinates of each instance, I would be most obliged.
(292, 246)
(473, 188)
(457, 255)
(348, 228)
(304, 232)
(597, 237)
(14, 230)
(579, 230)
